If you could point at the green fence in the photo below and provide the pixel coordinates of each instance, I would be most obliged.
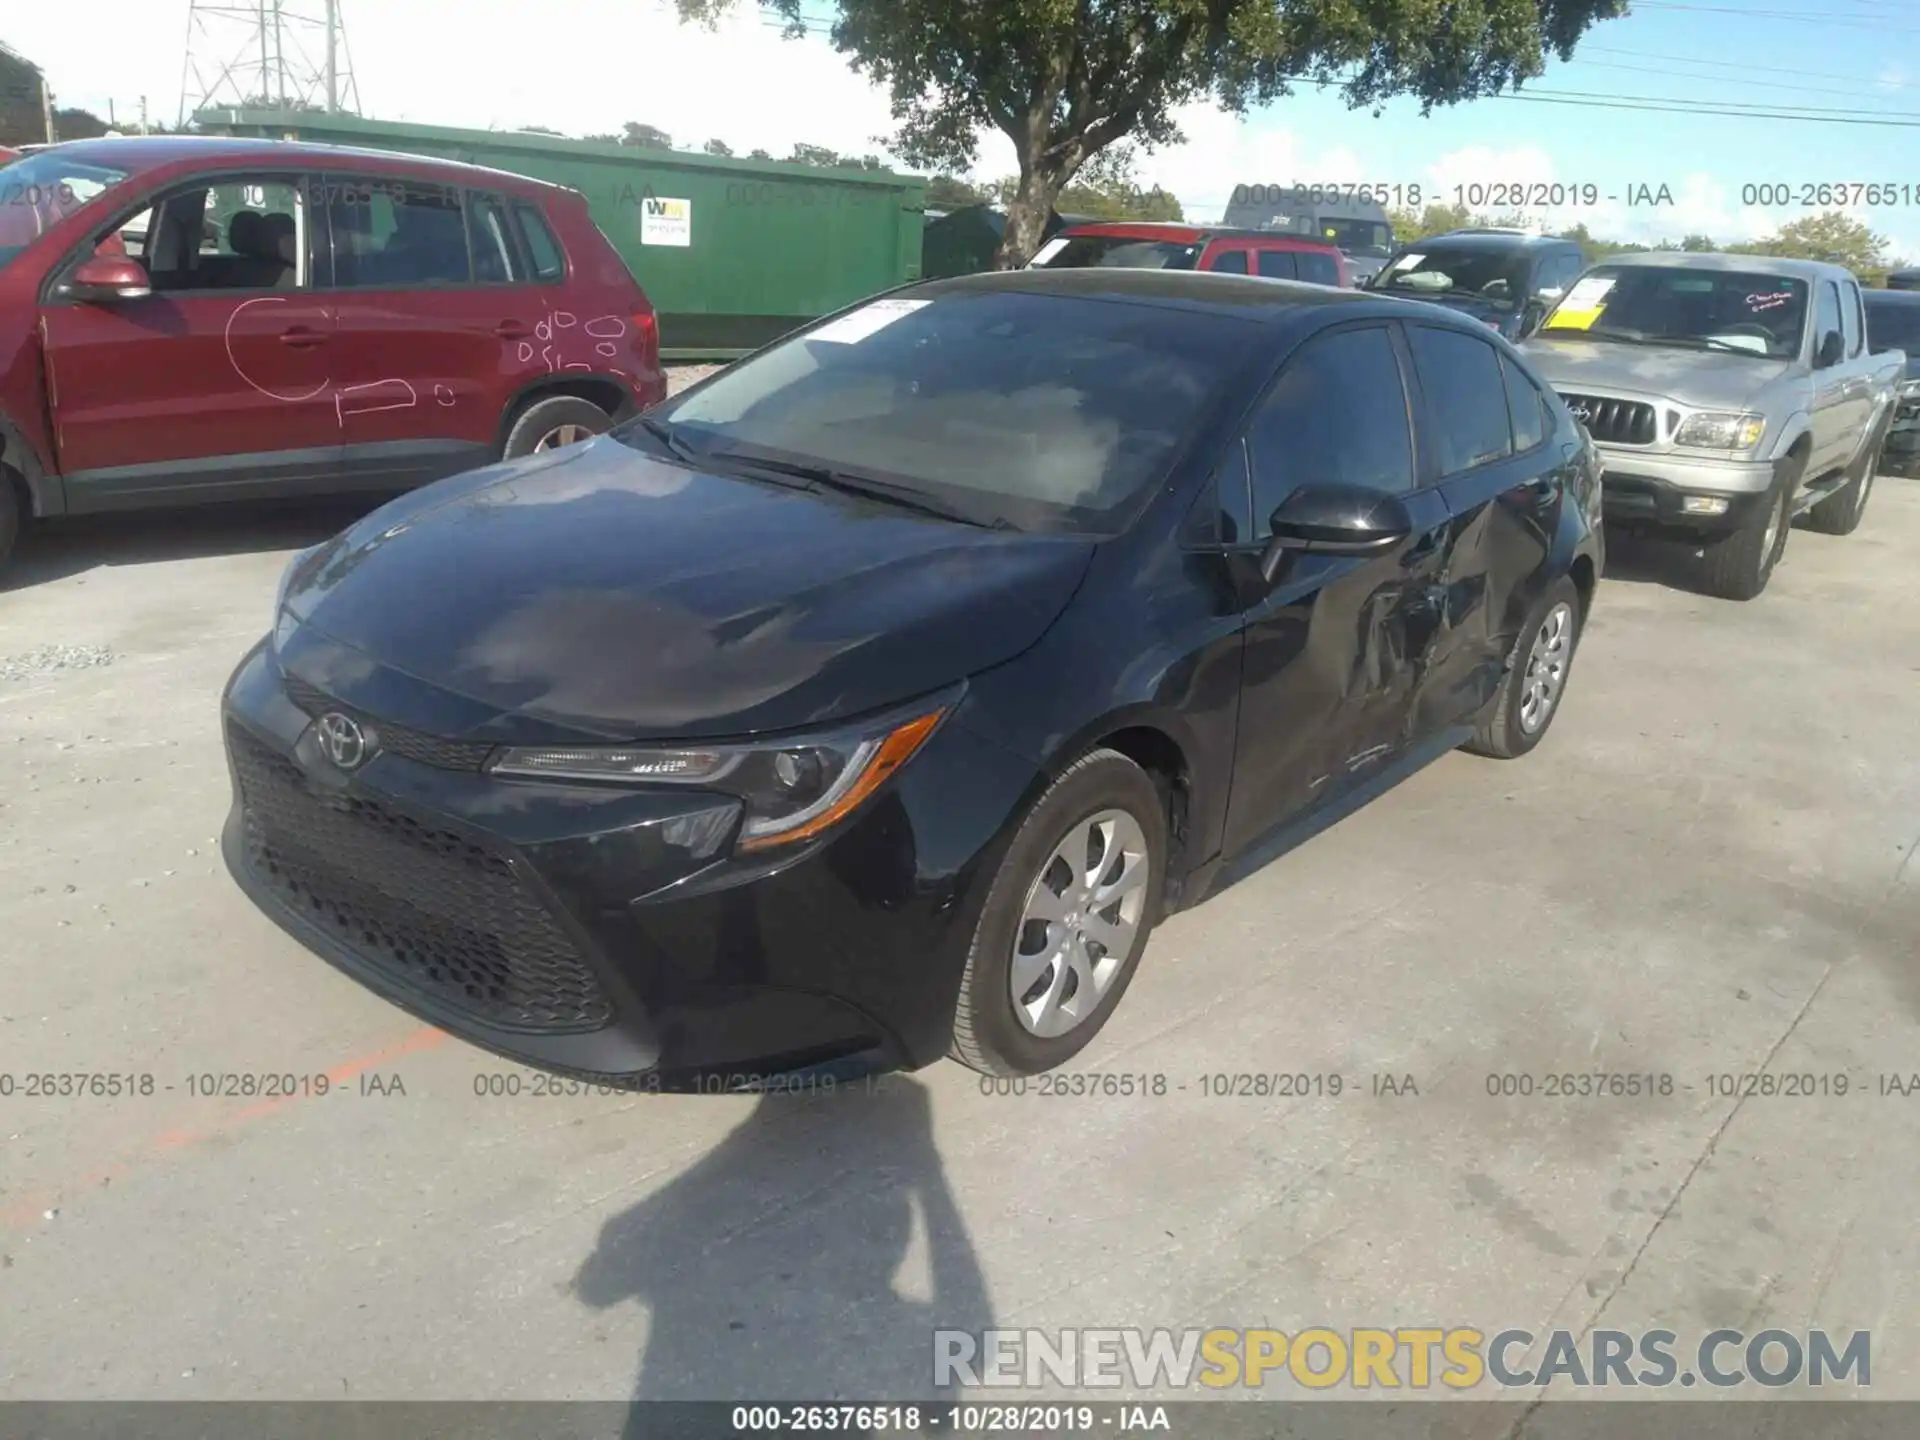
(731, 252)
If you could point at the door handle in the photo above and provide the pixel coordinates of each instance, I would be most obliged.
(512, 330)
(302, 336)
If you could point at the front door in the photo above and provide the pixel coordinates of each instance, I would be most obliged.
(216, 382)
(1335, 647)
(435, 329)
(1490, 430)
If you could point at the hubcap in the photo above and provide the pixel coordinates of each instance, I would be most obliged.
(563, 435)
(1547, 663)
(1081, 918)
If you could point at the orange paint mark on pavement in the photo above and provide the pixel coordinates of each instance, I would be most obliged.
(180, 1137)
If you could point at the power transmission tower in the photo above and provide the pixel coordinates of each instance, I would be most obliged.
(280, 54)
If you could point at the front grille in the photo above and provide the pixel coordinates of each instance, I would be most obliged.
(443, 914)
(394, 739)
(1615, 422)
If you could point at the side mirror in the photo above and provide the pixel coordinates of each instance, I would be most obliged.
(106, 278)
(1832, 347)
(1335, 520)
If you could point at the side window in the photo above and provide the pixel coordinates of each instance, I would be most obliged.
(1852, 324)
(1336, 416)
(1230, 262)
(1827, 312)
(237, 234)
(1278, 265)
(496, 259)
(1466, 397)
(396, 232)
(1318, 269)
(1526, 407)
(549, 262)
(1566, 269)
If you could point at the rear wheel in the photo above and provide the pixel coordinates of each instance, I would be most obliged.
(1739, 565)
(1537, 675)
(554, 422)
(1840, 513)
(1066, 919)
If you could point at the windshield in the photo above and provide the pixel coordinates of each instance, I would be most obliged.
(38, 191)
(1743, 312)
(1892, 325)
(1047, 412)
(1356, 237)
(1072, 252)
(1488, 274)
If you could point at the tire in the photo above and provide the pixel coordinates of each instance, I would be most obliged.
(12, 515)
(989, 1032)
(1841, 512)
(544, 420)
(1739, 565)
(1538, 669)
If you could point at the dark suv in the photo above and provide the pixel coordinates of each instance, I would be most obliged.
(187, 319)
(1507, 279)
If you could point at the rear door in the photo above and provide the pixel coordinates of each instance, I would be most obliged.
(437, 323)
(1832, 392)
(215, 384)
(1227, 256)
(1504, 477)
(1335, 647)
(1274, 263)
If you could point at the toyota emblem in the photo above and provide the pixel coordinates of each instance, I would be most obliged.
(343, 740)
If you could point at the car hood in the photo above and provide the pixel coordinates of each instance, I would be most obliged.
(1700, 379)
(602, 592)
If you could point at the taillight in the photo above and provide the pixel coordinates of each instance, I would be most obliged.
(647, 326)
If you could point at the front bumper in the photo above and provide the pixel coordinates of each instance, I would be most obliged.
(1653, 489)
(610, 931)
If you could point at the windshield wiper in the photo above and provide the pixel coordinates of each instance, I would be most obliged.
(669, 437)
(827, 477)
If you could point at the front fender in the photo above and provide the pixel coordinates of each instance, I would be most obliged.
(1799, 425)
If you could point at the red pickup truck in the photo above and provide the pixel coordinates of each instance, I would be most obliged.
(1161, 245)
(188, 318)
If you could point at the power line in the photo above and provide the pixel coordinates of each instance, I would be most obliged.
(1684, 75)
(1741, 65)
(1805, 17)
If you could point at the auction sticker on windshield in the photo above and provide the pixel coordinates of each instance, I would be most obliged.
(1582, 306)
(851, 329)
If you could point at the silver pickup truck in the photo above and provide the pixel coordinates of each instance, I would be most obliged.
(1727, 395)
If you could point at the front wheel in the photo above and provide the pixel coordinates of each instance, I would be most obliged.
(12, 516)
(1066, 919)
(1739, 565)
(1537, 674)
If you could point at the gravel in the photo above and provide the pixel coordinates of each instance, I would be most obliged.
(54, 657)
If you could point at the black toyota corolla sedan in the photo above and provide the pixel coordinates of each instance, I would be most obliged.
(871, 701)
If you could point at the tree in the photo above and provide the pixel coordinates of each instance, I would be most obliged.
(1066, 79)
(645, 137)
(758, 154)
(1698, 244)
(76, 124)
(541, 130)
(1833, 236)
(822, 156)
(950, 192)
(1434, 220)
(717, 147)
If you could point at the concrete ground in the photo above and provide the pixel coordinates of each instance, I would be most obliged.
(1707, 870)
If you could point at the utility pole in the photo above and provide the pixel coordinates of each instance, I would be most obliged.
(279, 57)
(46, 109)
(333, 57)
(143, 116)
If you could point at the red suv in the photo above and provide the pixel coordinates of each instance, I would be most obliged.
(1157, 245)
(190, 318)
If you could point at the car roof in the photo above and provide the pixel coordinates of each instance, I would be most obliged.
(1204, 291)
(136, 153)
(1725, 260)
(1183, 233)
(1890, 297)
(1492, 240)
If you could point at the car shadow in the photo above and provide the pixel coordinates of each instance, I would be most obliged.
(1655, 560)
(784, 1263)
(56, 549)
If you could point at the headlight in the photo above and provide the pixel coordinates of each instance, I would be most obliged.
(791, 790)
(1714, 431)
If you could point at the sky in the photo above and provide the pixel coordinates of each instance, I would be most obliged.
(590, 65)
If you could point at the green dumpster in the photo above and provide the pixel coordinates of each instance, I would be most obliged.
(732, 253)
